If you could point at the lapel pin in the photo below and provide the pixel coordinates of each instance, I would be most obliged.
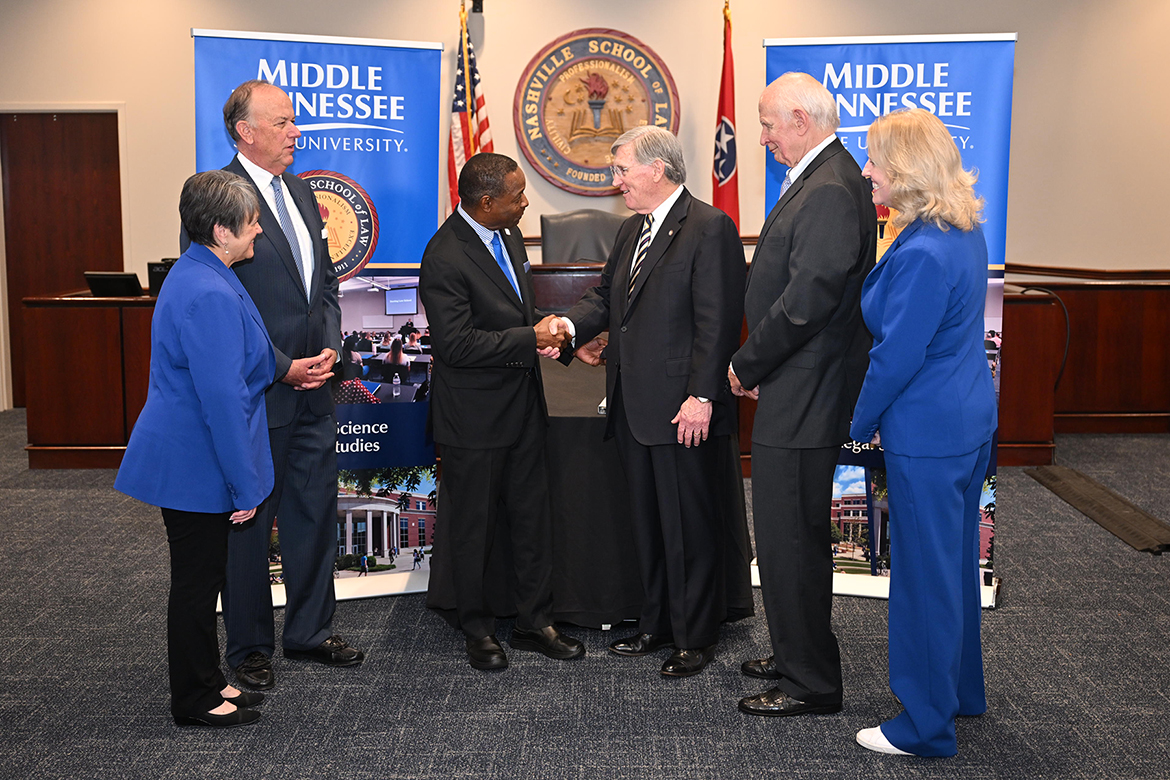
(670, 232)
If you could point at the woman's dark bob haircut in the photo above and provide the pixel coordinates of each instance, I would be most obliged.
(216, 198)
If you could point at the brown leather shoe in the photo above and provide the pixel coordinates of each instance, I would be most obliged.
(764, 668)
(684, 663)
(640, 644)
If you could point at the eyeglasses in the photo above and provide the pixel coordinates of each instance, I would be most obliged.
(623, 171)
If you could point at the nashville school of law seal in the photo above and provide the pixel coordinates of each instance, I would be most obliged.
(578, 94)
(351, 221)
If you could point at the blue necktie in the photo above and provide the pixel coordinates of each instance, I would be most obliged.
(498, 251)
(289, 233)
(787, 183)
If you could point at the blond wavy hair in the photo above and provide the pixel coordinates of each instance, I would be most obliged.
(927, 179)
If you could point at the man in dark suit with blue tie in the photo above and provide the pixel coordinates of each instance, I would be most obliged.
(488, 417)
(803, 360)
(291, 280)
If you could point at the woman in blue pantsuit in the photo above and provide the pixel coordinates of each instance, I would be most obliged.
(199, 449)
(928, 400)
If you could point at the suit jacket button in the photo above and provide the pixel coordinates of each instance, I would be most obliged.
(623, 328)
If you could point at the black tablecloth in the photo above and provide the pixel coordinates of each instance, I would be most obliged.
(595, 573)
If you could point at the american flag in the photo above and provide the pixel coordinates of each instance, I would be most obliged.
(470, 133)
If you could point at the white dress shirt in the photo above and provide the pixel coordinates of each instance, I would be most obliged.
(263, 181)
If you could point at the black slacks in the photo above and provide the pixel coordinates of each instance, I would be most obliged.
(304, 505)
(678, 533)
(792, 494)
(198, 543)
(482, 491)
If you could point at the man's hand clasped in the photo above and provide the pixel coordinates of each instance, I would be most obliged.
(551, 337)
(738, 389)
(311, 372)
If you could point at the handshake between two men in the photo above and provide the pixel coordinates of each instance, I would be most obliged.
(553, 335)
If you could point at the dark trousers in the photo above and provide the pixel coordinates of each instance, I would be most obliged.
(304, 504)
(480, 489)
(198, 544)
(792, 494)
(677, 533)
(936, 658)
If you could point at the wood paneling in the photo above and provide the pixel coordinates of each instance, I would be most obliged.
(1033, 329)
(88, 363)
(558, 287)
(135, 360)
(1117, 378)
(62, 209)
(74, 369)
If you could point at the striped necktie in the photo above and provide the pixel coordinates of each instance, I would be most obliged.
(640, 254)
(286, 227)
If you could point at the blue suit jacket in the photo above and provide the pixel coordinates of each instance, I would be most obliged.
(928, 388)
(201, 442)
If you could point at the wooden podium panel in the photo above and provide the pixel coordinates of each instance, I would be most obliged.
(87, 361)
(1033, 328)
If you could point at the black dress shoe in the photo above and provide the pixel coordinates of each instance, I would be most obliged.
(776, 703)
(486, 654)
(230, 720)
(548, 641)
(764, 668)
(246, 699)
(334, 651)
(640, 644)
(684, 663)
(256, 671)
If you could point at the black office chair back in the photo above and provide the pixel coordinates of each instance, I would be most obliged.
(575, 236)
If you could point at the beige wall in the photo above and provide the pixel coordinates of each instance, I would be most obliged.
(1091, 116)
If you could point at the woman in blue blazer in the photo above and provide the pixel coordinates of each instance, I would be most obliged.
(199, 450)
(928, 400)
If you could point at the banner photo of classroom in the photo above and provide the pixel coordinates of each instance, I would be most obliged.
(965, 80)
(368, 112)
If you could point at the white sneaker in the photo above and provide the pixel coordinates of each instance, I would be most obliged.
(873, 739)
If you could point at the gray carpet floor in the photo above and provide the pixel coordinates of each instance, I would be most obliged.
(1077, 656)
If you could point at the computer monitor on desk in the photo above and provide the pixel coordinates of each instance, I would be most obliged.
(114, 284)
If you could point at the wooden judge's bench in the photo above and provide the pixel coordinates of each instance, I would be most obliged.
(87, 364)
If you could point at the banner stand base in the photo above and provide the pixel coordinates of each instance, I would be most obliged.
(867, 586)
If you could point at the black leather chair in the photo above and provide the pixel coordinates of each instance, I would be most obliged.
(575, 236)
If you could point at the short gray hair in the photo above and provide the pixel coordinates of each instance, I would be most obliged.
(239, 106)
(796, 90)
(216, 198)
(650, 143)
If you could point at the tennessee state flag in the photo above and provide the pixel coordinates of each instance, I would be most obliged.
(723, 174)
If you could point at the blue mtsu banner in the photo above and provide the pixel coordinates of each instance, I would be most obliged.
(369, 117)
(368, 112)
(964, 80)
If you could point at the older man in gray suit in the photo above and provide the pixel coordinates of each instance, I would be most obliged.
(804, 359)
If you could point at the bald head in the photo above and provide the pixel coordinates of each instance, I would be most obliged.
(796, 114)
(799, 91)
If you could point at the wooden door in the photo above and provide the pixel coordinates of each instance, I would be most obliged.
(62, 213)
